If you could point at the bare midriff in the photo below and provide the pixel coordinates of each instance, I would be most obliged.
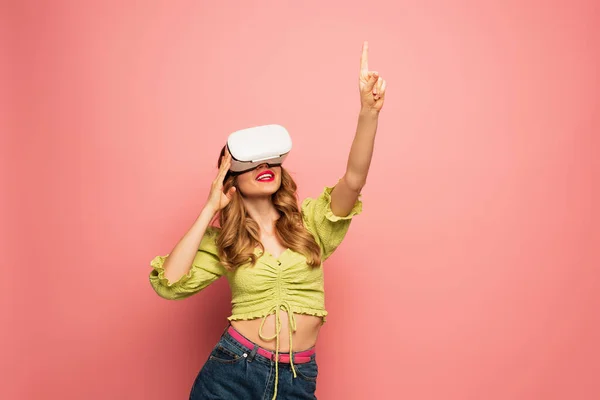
(305, 336)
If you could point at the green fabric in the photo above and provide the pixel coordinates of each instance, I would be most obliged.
(255, 290)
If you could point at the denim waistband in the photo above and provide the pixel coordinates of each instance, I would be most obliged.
(253, 352)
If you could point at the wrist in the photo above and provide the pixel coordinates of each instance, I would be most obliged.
(366, 111)
(207, 212)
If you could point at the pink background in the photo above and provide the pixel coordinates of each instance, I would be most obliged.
(472, 274)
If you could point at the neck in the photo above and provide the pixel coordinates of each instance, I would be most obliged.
(262, 211)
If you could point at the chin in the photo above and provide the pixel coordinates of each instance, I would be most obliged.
(265, 190)
(270, 190)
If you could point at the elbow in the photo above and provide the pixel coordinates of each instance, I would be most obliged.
(165, 290)
(355, 182)
(168, 293)
(162, 291)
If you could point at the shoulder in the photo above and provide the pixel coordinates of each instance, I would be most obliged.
(209, 240)
(324, 197)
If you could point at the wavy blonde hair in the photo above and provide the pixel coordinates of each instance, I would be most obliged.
(240, 234)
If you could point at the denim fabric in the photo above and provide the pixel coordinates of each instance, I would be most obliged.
(233, 371)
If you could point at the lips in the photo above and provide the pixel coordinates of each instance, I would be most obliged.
(266, 176)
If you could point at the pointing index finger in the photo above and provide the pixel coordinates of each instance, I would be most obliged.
(364, 62)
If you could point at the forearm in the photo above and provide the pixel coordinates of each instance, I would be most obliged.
(361, 151)
(372, 94)
(182, 256)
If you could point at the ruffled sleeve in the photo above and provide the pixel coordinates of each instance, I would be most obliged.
(328, 229)
(206, 268)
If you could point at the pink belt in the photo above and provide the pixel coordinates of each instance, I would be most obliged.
(300, 357)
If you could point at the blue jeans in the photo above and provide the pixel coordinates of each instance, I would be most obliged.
(233, 371)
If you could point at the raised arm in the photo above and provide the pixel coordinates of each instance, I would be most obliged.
(193, 264)
(372, 95)
(180, 259)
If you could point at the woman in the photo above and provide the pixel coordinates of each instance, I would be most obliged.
(271, 251)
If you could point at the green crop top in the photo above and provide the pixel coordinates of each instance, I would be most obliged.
(285, 283)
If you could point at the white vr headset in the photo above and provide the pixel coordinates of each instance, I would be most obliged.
(252, 147)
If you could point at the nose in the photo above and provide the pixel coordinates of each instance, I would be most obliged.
(263, 165)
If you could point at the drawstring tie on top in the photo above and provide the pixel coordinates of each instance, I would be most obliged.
(292, 328)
